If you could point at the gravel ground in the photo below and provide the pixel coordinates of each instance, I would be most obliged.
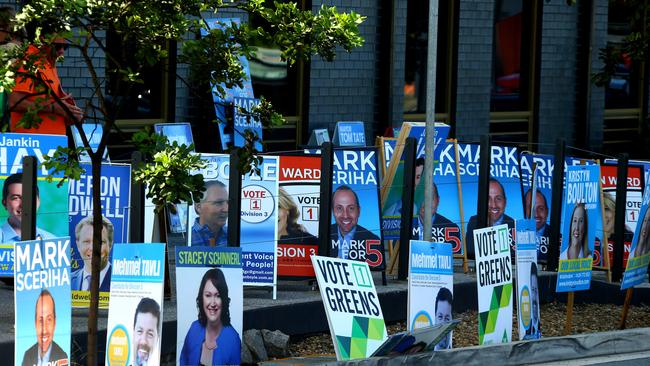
(587, 318)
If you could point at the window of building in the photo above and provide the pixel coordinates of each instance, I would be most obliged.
(623, 89)
(513, 63)
(415, 76)
(282, 84)
(510, 56)
(128, 100)
(624, 94)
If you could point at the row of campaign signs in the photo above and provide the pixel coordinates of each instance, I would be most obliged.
(280, 205)
(210, 296)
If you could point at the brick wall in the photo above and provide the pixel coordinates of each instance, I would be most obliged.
(344, 90)
(475, 29)
(557, 89)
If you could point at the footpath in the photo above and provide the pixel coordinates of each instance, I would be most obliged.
(298, 310)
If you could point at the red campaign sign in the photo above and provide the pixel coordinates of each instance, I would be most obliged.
(608, 175)
(294, 260)
(300, 177)
(299, 168)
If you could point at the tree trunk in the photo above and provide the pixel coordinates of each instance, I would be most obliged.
(96, 160)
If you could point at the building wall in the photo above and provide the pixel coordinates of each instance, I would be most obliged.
(344, 90)
(557, 93)
(475, 29)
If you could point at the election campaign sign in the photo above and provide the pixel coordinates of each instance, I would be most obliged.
(181, 133)
(639, 258)
(43, 314)
(386, 147)
(431, 286)
(597, 223)
(352, 306)
(136, 304)
(504, 195)
(52, 206)
(355, 231)
(208, 219)
(259, 223)
(209, 293)
(392, 186)
(528, 313)
(224, 104)
(94, 133)
(494, 282)
(349, 133)
(608, 178)
(542, 199)
(298, 209)
(446, 220)
(581, 209)
(115, 191)
(246, 121)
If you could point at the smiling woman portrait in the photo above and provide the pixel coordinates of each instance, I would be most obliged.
(578, 232)
(211, 340)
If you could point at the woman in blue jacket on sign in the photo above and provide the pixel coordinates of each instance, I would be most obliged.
(211, 339)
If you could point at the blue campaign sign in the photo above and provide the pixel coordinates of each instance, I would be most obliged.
(350, 133)
(582, 208)
(246, 121)
(504, 194)
(42, 290)
(94, 133)
(446, 220)
(52, 208)
(259, 221)
(115, 191)
(180, 133)
(355, 223)
(221, 105)
(639, 258)
(392, 198)
(137, 284)
(542, 207)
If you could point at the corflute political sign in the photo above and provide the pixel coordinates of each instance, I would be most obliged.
(42, 297)
(542, 199)
(637, 264)
(115, 191)
(581, 209)
(431, 287)
(494, 282)
(355, 230)
(352, 306)
(298, 213)
(52, 206)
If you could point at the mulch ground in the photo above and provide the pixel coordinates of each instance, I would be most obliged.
(587, 318)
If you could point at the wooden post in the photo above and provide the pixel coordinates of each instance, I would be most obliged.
(626, 307)
(569, 313)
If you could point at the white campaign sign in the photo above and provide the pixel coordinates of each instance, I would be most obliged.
(494, 284)
(352, 306)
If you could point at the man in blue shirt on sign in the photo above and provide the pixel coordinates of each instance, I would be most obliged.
(12, 200)
(210, 226)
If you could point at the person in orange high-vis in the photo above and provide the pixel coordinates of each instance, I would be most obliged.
(42, 91)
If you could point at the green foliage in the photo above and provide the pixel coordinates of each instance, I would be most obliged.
(66, 161)
(147, 26)
(169, 176)
(633, 47)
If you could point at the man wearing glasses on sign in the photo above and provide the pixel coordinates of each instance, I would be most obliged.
(209, 227)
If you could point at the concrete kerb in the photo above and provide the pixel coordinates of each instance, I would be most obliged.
(629, 344)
